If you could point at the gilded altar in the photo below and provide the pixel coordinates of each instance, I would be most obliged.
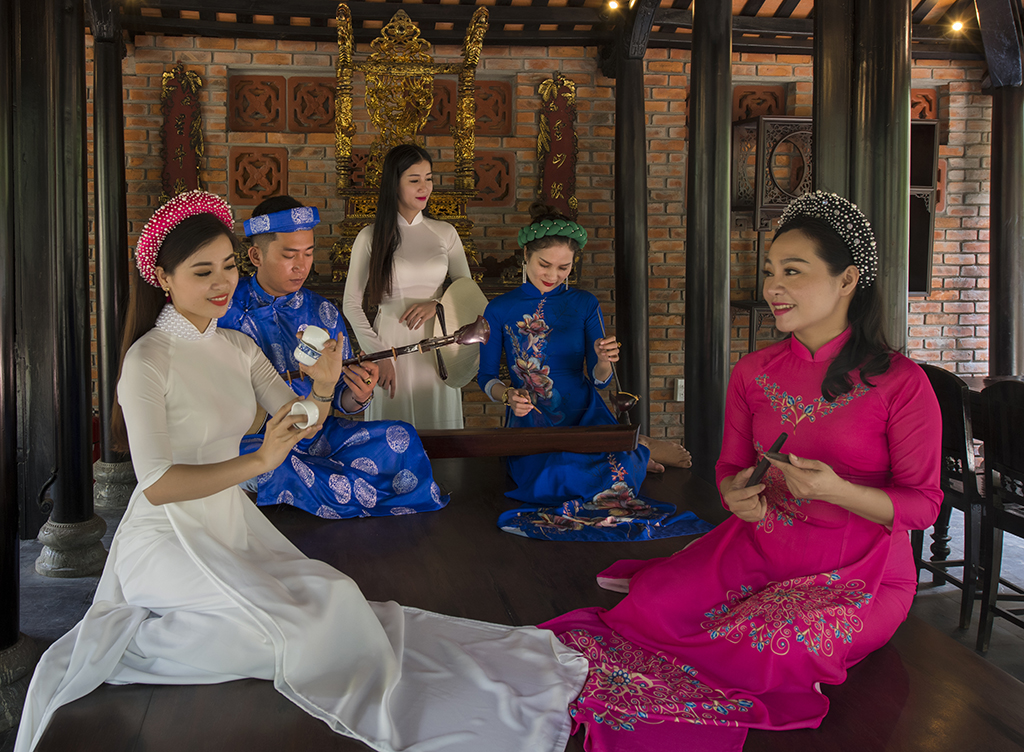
(399, 74)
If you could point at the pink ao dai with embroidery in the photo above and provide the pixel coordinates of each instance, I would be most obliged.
(737, 630)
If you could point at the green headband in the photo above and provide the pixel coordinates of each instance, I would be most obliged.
(545, 227)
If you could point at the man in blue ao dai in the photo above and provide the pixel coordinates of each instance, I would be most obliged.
(351, 468)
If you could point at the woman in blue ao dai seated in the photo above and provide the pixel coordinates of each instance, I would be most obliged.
(558, 357)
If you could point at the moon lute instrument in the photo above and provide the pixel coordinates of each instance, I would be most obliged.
(475, 333)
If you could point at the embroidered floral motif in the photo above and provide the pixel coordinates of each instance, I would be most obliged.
(794, 409)
(621, 505)
(817, 611)
(628, 684)
(529, 363)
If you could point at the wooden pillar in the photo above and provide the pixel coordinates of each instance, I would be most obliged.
(114, 476)
(833, 77)
(111, 225)
(998, 24)
(55, 436)
(1006, 237)
(17, 652)
(8, 397)
(708, 232)
(631, 257)
(880, 155)
(632, 324)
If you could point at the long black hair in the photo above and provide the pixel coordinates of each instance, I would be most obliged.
(146, 301)
(867, 349)
(385, 238)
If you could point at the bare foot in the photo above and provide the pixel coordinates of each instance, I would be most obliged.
(654, 467)
(667, 452)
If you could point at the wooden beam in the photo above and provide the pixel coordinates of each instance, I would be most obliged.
(517, 442)
(1001, 41)
(366, 11)
(230, 29)
(638, 28)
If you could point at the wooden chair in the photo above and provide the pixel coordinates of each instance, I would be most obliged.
(959, 482)
(1004, 503)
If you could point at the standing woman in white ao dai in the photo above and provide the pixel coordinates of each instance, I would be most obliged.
(399, 263)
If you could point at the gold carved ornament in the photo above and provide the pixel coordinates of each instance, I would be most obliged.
(399, 74)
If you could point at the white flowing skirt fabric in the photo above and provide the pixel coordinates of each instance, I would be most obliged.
(179, 605)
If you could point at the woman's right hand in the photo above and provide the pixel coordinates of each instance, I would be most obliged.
(386, 376)
(745, 503)
(281, 435)
(520, 402)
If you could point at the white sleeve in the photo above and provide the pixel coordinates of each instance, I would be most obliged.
(458, 264)
(142, 392)
(272, 392)
(355, 287)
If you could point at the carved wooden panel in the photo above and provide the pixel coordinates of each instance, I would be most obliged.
(493, 108)
(359, 160)
(751, 101)
(924, 104)
(495, 178)
(442, 111)
(311, 104)
(256, 173)
(256, 103)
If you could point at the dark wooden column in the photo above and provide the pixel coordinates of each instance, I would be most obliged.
(1006, 236)
(114, 476)
(111, 226)
(17, 652)
(833, 77)
(8, 397)
(52, 297)
(631, 254)
(708, 233)
(880, 156)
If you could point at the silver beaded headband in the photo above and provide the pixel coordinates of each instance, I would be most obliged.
(545, 227)
(847, 220)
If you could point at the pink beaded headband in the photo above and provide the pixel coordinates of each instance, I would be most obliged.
(167, 217)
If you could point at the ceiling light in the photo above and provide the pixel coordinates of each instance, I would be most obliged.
(957, 25)
(613, 5)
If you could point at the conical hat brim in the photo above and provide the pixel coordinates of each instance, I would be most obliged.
(463, 301)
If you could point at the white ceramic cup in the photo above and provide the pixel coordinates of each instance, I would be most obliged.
(308, 408)
(311, 345)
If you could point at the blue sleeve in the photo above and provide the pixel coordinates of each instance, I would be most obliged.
(490, 351)
(593, 329)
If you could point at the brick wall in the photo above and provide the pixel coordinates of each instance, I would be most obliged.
(949, 326)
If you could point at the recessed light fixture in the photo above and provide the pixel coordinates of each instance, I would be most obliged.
(958, 25)
(613, 5)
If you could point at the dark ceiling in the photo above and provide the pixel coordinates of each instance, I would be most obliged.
(758, 25)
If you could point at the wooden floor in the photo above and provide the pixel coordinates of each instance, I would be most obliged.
(921, 692)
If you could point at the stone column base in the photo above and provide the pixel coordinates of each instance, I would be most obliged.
(16, 664)
(114, 484)
(71, 549)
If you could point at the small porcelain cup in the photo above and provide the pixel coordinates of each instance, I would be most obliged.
(311, 345)
(308, 408)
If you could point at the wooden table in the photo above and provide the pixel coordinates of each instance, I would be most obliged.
(922, 692)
